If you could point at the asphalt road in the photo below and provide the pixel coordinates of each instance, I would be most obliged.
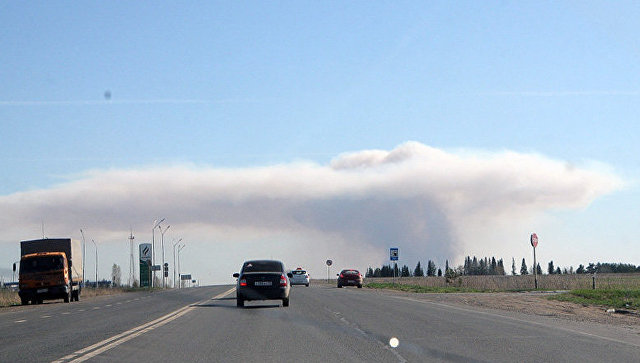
(323, 324)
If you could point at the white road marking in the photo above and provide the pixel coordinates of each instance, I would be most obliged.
(369, 336)
(66, 313)
(96, 307)
(81, 310)
(20, 321)
(100, 347)
(45, 316)
(109, 305)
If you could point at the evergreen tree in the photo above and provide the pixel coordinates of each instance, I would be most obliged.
(396, 271)
(513, 266)
(439, 272)
(558, 272)
(446, 266)
(493, 270)
(580, 269)
(523, 268)
(539, 270)
(500, 268)
(377, 272)
(431, 268)
(418, 270)
(475, 267)
(369, 272)
(405, 271)
(551, 270)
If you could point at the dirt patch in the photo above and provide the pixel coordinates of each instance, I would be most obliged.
(534, 303)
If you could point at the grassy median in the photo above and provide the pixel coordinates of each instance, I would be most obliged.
(614, 298)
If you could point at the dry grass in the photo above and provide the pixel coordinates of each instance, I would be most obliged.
(519, 283)
(10, 297)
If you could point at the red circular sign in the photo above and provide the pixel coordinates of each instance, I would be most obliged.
(534, 240)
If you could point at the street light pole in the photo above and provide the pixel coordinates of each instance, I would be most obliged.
(174, 262)
(153, 247)
(164, 279)
(84, 252)
(94, 243)
(179, 276)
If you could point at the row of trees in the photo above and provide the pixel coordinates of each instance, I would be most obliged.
(486, 266)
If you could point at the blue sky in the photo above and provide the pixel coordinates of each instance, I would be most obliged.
(257, 84)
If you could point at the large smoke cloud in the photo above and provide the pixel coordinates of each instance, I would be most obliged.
(424, 199)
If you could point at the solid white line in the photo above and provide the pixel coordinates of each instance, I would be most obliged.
(45, 316)
(66, 313)
(100, 347)
(493, 315)
(20, 321)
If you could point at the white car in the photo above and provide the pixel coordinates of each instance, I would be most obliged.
(300, 277)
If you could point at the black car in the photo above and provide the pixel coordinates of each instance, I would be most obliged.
(350, 277)
(262, 280)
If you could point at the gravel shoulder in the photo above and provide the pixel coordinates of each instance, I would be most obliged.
(531, 303)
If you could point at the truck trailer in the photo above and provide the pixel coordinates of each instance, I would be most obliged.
(50, 268)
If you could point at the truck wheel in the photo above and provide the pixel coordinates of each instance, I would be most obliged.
(67, 298)
(239, 302)
(285, 302)
(75, 295)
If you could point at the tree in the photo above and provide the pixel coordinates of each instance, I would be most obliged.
(558, 271)
(116, 275)
(580, 269)
(439, 272)
(431, 268)
(513, 266)
(369, 272)
(551, 270)
(405, 271)
(523, 268)
(446, 266)
(539, 270)
(418, 271)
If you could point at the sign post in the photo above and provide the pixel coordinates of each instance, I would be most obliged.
(393, 256)
(145, 264)
(534, 244)
(329, 263)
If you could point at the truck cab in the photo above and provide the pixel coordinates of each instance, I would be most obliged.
(45, 276)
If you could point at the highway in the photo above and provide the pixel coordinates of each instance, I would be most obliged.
(323, 324)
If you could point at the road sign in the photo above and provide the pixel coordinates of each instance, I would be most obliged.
(145, 264)
(155, 268)
(185, 277)
(329, 262)
(393, 254)
(534, 240)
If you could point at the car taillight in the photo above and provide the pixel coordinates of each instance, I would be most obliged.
(341, 276)
(283, 280)
(243, 282)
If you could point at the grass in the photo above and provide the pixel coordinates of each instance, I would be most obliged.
(10, 297)
(615, 298)
(420, 289)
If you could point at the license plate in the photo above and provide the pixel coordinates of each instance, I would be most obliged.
(39, 291)
(262, 283)
(351, 281)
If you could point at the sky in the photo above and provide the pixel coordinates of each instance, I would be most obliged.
(307, 131)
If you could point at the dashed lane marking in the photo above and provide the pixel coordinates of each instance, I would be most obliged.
(100, 347)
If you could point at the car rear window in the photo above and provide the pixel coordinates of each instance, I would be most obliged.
(262, 266)
(299, 272)
(350, 272)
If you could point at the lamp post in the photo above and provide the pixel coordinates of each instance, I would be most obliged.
(174, 261)
(153, 246)
(94, 243)
(84, 253)
(179, 277)
(164, 279)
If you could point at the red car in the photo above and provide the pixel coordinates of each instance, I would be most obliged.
(350, 277)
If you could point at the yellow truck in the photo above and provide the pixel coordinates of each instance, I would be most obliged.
(50, 268)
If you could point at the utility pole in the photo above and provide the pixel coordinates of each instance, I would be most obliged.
(132, 269)
(179, 276)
